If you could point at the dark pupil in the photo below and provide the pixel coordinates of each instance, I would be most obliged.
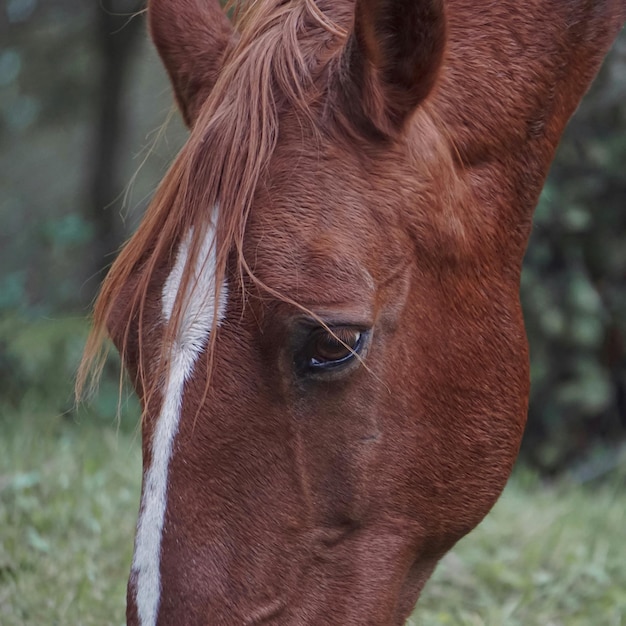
(334, 347)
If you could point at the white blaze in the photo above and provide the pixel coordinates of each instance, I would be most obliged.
(197, 316)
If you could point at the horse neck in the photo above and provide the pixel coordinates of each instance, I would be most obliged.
(515, 73)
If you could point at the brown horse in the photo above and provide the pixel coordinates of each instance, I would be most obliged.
(320, 308)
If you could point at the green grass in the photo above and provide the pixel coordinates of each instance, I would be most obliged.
(68, 503)
(545, 556)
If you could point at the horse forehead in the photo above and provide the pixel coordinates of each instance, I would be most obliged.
(301, 248)
(319, 219)
(319, 267)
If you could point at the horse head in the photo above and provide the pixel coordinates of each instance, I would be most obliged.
(320, 310)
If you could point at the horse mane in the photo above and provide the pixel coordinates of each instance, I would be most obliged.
(280, 50)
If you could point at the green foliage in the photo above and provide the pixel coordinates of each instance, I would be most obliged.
(38, 364)
(50, 87)
(574, 285)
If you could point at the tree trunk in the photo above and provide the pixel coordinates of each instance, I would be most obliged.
(117, 34)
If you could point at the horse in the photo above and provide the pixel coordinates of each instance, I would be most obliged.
(319, 311)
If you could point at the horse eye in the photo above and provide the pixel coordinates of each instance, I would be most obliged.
(326, 350)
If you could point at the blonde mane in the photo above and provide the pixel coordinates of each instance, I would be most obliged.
(280, 51)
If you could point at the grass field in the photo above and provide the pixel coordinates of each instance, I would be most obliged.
(69, 491)
(68, 500)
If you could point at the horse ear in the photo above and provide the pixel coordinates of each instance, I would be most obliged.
(391, 61)
(191, 37)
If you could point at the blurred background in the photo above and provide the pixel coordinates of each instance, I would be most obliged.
(87, 130)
